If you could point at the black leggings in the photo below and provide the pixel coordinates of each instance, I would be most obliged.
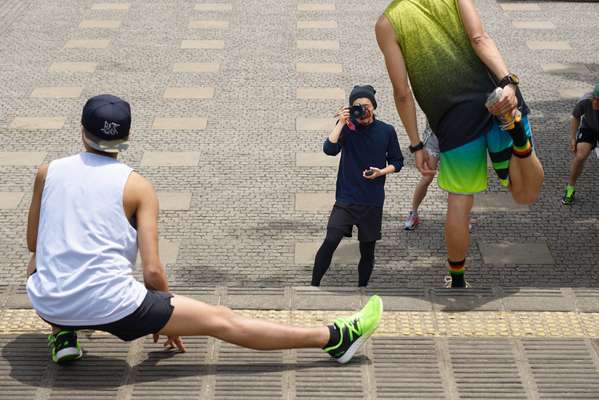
(325, 255)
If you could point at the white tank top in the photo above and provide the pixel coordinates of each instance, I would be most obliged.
(86, 247)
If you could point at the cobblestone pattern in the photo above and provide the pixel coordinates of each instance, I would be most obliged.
(242, 224)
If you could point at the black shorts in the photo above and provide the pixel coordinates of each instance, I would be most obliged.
(150, 317)
(587, 135)
(368, 219)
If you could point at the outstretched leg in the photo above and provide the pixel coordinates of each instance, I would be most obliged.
(194, 318)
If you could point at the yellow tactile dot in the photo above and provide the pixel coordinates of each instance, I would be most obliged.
(472, 324)
(542, 324)
(590, 324)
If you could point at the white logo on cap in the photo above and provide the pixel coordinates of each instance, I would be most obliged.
(110, 128)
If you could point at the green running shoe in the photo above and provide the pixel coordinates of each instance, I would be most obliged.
(355, 330)
(64, 346)
(568, 195)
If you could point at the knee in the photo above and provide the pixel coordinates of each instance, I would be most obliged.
(526, 197)
(221, 321)
(581, 157)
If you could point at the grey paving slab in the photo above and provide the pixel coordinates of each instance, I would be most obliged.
(562, 369)
(174, 200)
(189, 93)
(497, 202)
(87, 44)
(348, 252)
(403, 299)
(18, 301)
(177, 123)
(587, 299)
(22, 158)
(565, 68)
(209, 24)
(196, 67)
(314, 201)
(99, 24)
(548, 45)
(203, 44)
(316, 7)
(516, 253)
(10, 200)
(170, 159)
(326, 298)
(111, 6)
(319, 68)
(213, 7)
(89, 67)
(520, 7)
(485, 369)
(318, 44)
(315, 160)
(346, 383)
(168, 251)
(480, 299)
(408, 368)
(37, 123)
(317, 24)
(188, 373)
(534, 299)
(573, 93)
(533, 25)
(315, 124)
(320, 93)
(57, 92)
(248, 299)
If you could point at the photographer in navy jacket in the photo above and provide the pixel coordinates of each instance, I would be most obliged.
(369, 151)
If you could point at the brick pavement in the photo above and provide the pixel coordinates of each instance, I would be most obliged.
(249, 89)
(231, 104)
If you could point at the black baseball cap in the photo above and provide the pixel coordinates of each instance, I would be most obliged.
(107, 121)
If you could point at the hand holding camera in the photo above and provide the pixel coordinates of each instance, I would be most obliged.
(372, 173)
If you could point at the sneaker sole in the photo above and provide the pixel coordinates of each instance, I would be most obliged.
(353, 349)
(68, 354)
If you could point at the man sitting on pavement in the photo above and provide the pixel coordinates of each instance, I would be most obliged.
(90, 214)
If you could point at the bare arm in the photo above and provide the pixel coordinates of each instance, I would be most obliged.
(34, 209)
(402, 94)
(140, 197)
(574, 125)
(480, 40)
(396, 68)
(489, 54)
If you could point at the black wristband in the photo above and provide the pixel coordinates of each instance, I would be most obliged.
(415, 148)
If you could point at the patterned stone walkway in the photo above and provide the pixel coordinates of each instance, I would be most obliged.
(231, 101)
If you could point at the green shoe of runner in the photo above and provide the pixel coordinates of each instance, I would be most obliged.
(355, 330)
(64, 346)
(568, 195)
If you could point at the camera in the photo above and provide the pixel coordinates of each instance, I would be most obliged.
(358, 111)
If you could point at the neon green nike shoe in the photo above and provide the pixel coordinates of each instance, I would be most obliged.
(64, 346)
(355, 330)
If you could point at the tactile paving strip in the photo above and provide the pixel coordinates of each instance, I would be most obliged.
(396, 323)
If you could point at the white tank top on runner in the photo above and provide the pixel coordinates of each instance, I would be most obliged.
(86, 247)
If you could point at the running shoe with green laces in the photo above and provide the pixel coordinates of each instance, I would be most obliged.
(355, 330)
(568, 195)
(64, 346)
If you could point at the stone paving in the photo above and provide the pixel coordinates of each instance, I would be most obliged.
(231, 102)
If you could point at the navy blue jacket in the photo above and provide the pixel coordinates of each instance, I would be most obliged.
(375, 145)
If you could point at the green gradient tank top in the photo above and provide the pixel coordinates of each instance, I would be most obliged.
(448, 79)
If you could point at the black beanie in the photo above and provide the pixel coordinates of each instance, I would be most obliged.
(365, 91)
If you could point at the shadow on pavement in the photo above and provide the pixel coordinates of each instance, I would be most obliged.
(95, 372)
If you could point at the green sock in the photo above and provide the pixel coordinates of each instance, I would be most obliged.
(569, 190)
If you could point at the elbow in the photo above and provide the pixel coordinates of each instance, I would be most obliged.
(402, 95)
(480, 39)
